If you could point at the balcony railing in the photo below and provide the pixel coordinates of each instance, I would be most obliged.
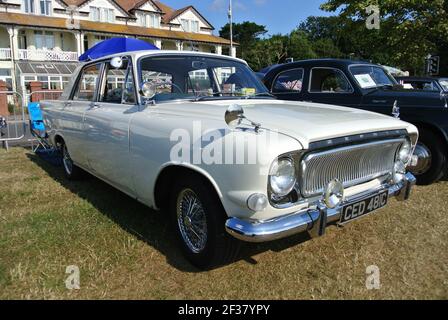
(47, 55)
(5, 54)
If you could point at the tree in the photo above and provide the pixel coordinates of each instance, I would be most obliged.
(246, 34)
(409, 29)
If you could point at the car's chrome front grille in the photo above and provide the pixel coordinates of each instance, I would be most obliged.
(351, 165)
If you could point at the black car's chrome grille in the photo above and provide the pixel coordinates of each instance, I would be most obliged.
(351, 165)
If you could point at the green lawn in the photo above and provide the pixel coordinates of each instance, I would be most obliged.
(125, 250)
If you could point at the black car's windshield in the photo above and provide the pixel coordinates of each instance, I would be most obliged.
(444, 84)
(371, 76)
(197, 78)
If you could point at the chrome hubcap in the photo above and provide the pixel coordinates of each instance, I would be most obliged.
(66, 160)
(191, 220)
(424, 159)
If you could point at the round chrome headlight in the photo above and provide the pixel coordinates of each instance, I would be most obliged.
(282, 177)
(405, 152)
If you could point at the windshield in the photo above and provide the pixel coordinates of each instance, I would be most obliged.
(444, 84)
(371, 76)
(197, 77)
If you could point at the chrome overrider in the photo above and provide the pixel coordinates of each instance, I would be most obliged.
(314, 221)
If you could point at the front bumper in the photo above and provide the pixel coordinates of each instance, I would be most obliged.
(313, 221)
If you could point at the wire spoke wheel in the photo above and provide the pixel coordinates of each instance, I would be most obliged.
(191, 220)
(67, 160)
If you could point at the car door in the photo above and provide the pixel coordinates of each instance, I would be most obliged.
(106, 124)
(72, 117)
(331, 86)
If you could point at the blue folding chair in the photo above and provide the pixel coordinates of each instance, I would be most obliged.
(37, 126)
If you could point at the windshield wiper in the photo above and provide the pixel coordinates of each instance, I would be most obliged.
(260, 94)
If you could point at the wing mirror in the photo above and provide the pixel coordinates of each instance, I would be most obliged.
(234, 117)
(116, 62)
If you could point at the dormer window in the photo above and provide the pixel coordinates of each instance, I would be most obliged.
(148, 20)
(190, 25)
(28, 6)
(102, 14)
(45, 7)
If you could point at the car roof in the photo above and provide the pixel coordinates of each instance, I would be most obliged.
(139, 54)
(327, 62)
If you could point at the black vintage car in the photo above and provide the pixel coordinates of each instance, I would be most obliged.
(368, 86)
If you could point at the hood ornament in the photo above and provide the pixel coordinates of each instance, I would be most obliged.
(234, 118)
(396, 110)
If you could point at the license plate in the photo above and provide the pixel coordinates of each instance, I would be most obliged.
(361, 208)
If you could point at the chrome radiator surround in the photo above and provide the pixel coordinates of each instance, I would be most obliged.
(351, 165)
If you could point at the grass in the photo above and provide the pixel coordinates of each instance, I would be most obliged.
(125, 250)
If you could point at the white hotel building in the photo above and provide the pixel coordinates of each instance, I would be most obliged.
(41, 40)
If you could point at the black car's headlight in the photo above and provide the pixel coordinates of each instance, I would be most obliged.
(282, 177)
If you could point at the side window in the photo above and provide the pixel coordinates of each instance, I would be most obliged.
(326, 80)
(290, 81)
(119, 85)
(87, 84)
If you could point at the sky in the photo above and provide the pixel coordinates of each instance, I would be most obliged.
(279, 16)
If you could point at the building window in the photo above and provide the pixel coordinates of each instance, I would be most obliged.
(94, 14)
(185, 25)
(102, 14)
(195, 26)
(22, 40)
(190, 25)
(44, 40)
(28, 6)
(45, 7)
(149, 20)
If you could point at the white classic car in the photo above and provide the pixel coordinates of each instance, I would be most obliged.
(198, 136)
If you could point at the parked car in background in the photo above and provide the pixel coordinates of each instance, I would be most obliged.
(430, 84)
(368, 86)
(158, 135)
